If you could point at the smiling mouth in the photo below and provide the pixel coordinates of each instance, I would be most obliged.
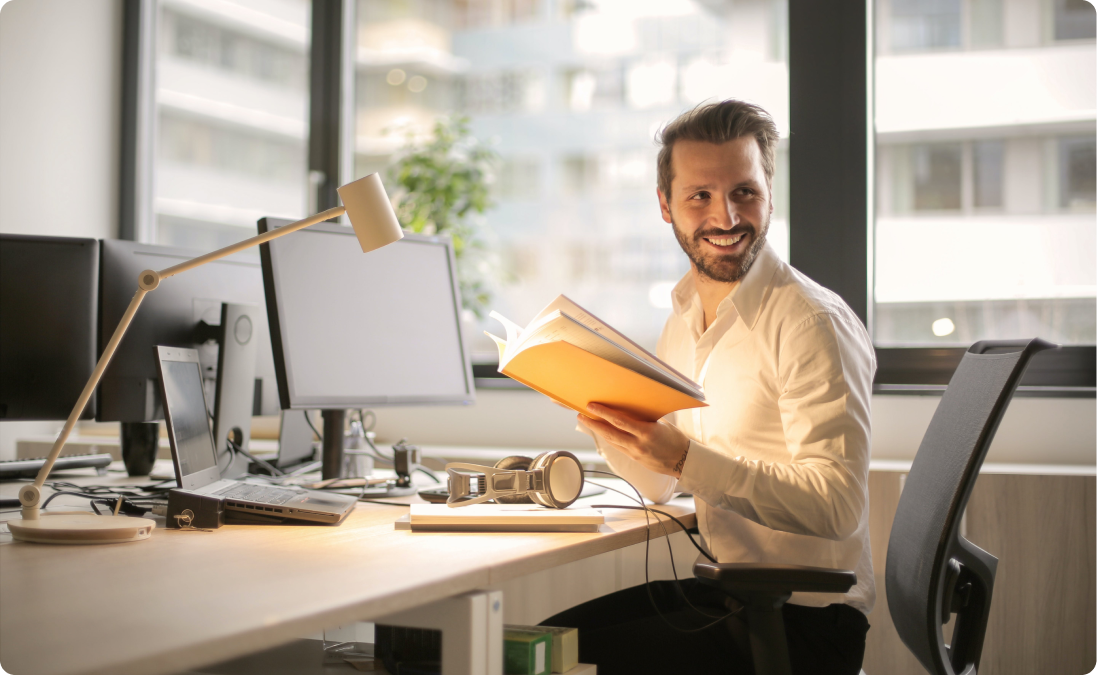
(725, 241)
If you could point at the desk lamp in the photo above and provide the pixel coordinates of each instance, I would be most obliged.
(371, 215)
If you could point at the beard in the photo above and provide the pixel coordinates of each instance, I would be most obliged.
(729, 267)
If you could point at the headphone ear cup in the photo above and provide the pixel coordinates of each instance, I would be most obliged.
(541, 498)
(514, 463)
(563, 479)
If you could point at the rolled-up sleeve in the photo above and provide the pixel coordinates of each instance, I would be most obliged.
(825, 368)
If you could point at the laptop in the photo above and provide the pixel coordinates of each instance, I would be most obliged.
(196, 469)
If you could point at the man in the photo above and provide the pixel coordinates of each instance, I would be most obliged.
(778, 462)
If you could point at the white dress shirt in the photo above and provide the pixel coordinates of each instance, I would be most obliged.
(778, 461)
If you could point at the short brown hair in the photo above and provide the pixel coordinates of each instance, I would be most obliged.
(718, 123)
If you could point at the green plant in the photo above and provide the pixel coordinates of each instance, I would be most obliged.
(442, 187)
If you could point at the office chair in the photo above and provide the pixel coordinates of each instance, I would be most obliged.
(931, 571)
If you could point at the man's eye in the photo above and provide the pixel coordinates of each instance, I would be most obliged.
(700, 195)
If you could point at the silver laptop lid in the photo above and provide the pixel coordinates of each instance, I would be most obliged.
(192, 449)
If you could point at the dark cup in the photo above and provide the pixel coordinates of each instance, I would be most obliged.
(140, 445)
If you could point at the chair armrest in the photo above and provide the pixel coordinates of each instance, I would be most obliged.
(755, 578)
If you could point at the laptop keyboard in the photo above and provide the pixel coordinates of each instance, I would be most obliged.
(262, 494)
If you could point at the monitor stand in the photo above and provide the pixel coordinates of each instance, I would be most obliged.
(234, 399)
(140, 443)
(331, 453)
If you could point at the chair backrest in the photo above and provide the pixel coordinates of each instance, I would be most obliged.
(931, 570)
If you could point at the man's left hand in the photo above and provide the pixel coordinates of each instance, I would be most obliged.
(657, 446)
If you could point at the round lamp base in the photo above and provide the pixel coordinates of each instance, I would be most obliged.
(80, 527)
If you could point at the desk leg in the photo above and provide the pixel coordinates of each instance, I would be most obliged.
(472, 631)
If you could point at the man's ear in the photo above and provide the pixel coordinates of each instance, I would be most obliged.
(663, 205)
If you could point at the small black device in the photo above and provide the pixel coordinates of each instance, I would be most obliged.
(196, 470)
(49, 306)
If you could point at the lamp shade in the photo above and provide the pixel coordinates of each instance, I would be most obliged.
(370, 213)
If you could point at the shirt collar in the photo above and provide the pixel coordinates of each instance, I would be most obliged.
(747, 298)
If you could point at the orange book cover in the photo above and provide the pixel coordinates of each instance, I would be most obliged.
(574, 378)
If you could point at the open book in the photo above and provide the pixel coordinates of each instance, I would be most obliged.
(575, 358)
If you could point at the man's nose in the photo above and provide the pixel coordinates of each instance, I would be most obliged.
(727, 214)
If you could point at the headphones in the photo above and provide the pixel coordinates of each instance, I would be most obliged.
(552, 479)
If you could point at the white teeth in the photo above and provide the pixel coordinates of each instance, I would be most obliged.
(726, 241)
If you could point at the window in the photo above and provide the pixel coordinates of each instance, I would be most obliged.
(231, 119)
(928, 25)
(1074, 20)
(570, 96)
(985, 196)
(1077, 174)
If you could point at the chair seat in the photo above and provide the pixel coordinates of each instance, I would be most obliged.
(755, 578)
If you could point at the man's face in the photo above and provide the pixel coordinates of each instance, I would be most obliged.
(719, 205)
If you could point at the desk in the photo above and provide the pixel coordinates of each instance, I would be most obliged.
(182, 599)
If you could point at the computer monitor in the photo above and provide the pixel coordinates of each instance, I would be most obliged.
(179, 313)
(48, 314)
(352, 331)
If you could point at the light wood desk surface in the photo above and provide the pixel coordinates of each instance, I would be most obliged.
(185, 599)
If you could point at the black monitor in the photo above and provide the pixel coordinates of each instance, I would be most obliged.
(354, 330)
(184, 311)
(48, 314)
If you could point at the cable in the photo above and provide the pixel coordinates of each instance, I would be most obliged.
(378, 501)
(430, 473)
(376, 452)
(275, 471)
(647, 556)
(312, 426)
(664, 513)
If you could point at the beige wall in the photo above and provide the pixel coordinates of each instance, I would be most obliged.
(60, 103)
(60, 111)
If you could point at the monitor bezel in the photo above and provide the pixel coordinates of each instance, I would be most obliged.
(287, 397)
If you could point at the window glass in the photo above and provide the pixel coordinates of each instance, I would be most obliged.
(1074, 20)
(986, 185)
(232, 118)
(569, 95)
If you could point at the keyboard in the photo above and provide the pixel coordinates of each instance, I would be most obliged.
(11, 469)
(262, 494)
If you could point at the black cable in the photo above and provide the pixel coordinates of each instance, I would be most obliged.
(312, 426)
(377, 452)
(647, 557)
(275, 471)
(680, 523)
(430, 473)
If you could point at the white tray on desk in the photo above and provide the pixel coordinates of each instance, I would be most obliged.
(499, 518)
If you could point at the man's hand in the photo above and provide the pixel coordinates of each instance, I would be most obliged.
(657, 446)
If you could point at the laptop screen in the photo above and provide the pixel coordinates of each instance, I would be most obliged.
(190, 425)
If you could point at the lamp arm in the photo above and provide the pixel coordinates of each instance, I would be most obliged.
(30, 496)
(253, 241)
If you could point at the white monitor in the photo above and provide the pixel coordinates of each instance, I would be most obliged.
(355, 330)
